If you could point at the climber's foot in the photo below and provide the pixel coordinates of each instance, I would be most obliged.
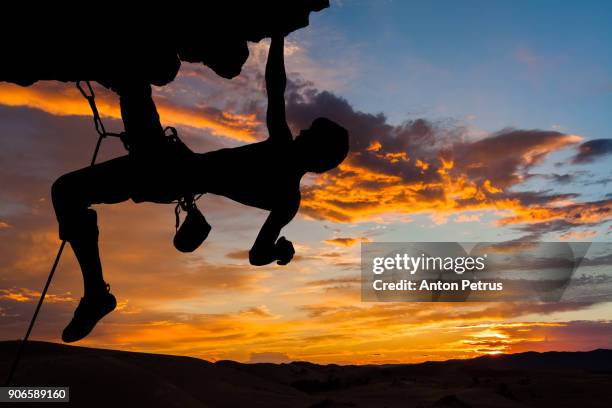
(89, 312)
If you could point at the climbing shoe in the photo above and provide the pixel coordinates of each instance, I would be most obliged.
(89, 312)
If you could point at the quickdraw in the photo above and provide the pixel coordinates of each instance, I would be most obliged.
(90, 96)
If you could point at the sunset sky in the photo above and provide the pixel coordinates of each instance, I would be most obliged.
(469, 121)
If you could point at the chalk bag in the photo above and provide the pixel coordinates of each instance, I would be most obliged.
(194, 229)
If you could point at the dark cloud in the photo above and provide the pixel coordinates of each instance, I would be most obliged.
(501, 157)
(592, 150)
(539, 228)
(562, 178)
(422, 165)
(575, 335)
(561, 219)
(566, 178)
(505, 156)
(603, 181)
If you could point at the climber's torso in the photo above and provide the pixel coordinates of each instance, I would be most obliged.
(265, 175)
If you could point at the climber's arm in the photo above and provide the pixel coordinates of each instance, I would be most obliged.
(276, 82)
(140, 118)
(267, 248)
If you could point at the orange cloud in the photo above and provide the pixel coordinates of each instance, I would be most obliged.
(374, 146)
(64, 99)
(573, 214)
(499, 338)
(355, 193)
(354, 334)
(490, 188)
(335, 329)
(27, 295)
(421, 164)
(346, 241)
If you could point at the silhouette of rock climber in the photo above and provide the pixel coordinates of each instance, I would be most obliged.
(159, 169)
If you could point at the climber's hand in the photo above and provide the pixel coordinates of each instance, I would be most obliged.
(268, 247)
(284, 251)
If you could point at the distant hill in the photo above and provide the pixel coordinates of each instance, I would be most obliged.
(109, 378)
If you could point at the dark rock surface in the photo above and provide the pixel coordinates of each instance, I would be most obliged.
(102, 378)
(109, 44)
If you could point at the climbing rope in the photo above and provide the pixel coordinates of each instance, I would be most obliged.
(90, 96)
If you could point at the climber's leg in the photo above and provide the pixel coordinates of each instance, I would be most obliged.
(72, 194)
(85, 247)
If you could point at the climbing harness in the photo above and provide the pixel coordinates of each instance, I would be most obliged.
(102, 133)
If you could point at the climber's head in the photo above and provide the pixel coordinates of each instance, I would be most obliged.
(323, 146)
